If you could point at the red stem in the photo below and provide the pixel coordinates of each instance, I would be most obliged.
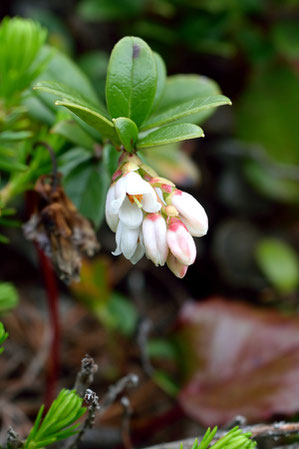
(52, 296)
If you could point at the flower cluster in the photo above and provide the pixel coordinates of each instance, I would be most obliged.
(151, 216)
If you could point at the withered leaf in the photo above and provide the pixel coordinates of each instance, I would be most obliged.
(59, 230)
(239, 360)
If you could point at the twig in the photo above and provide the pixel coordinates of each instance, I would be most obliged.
(13, 440)
(125, 425)
(88, 368)
(86, 375)
(238, 420)
(144, 329)
(92, 400)
(131, 380)
(258, 431)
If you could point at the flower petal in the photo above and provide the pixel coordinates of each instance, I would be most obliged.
(119, 194)
(139, 253)
(150, 202)
(130, 214)
(111, 218)
(176, 267)
(126, 240)
(136, 185)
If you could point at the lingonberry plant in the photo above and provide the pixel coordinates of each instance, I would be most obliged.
(85, 160)
(148, 213)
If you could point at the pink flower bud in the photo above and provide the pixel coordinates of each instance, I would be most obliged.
(191, 213)
(176, 267)
(180, 242)
(154, 238)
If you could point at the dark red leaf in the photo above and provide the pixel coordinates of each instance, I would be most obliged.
(238, 359)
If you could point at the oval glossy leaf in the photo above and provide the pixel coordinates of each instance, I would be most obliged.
(170, 134)
(280, 264)
(62, 69)
(182, 88)
(268, 179)
(238, 360)
(185, 109)
(161, 78)
(87, 187)
(274, 113)
(72, 132)
(127, 132)
(72, 159)
(110, 159)
(91, 113)
(173, 163)
(131, 80)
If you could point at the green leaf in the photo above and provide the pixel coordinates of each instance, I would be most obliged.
(14, 136)
(166, 383)
(280, 264)
(73, 158)
(87, 186)
(173, 163)
(3, 239)
(182, 88)
(8, 161)
(185, 109)
(9, 297)
(60, 69)
(274, 113)
(110, 159)
(20, 44)
(122, 315)
(273, 180)
(3, 336)
(131, 80)
(161, 78)
(162, 349)
(127, 132)
(71, 131)
(170, 134)
(91, 113)
(59, 422)
(64, 70)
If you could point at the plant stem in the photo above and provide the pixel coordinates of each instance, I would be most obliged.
(52, 296)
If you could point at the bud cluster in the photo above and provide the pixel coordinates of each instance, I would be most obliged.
(151, 216)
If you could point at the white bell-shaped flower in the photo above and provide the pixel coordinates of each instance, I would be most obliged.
(180, 242)
(154, 231)
(191, 213)
(127, 197)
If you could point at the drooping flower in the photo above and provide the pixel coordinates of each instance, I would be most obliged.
(180, 242)
(191, 213)
(154, 231)
(126, 199)
(150, 216)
